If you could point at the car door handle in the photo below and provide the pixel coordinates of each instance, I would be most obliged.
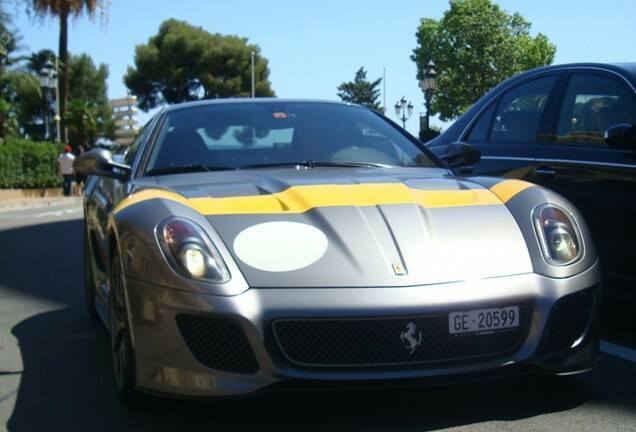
(545, 172)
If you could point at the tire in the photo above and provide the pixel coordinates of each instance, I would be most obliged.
(123, 354)
(89, 282)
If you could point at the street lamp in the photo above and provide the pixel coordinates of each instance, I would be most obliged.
(428, 85)
(253, 87)
(404, 110)
(47, 78)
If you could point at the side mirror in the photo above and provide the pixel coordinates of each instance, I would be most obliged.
(460, 154)
(100, 162)
(622, 135)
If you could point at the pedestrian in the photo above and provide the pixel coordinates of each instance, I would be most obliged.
(65, 169)
(80, 179)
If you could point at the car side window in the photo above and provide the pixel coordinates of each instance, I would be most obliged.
(517, 114)
(592, 103)
(131, 151)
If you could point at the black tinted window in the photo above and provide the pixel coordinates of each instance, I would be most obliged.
(481, 129)
(592, 103)
(518, 112)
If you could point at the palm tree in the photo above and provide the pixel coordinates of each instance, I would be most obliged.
(64, 9)
(81, 119)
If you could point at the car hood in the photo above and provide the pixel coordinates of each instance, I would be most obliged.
(335, 228)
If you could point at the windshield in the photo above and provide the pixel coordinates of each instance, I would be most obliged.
(275, 134)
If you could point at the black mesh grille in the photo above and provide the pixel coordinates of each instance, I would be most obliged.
(569, 320)
(217, 344)
(378, 342)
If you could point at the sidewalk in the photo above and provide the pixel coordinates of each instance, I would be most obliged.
(13, 199)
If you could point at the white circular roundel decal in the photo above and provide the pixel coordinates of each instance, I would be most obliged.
(280, 246)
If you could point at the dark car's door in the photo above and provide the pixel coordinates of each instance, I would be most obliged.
(509, 130)
(599, 179)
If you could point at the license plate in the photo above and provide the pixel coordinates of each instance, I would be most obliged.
(481, 320)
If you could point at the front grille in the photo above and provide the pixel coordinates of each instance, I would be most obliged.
(569, 320)
(218, 344)
(378, 342)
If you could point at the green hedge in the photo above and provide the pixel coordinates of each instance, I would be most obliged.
(26, 164)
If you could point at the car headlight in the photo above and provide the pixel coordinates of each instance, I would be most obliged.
(190, 251)
(558, 235)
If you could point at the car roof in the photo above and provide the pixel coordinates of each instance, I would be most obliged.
(624, 68)
(460, 125)
(205, 102)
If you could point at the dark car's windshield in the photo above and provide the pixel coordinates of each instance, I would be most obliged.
(252, 135)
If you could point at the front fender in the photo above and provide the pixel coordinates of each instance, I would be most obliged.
(134, 227)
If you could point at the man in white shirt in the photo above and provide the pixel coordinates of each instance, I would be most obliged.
(65, 169)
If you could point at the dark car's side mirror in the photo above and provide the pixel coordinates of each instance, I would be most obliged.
(622, 135)
(100, 162)
(461, 154)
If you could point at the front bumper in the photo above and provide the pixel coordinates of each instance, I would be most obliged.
(196, 345)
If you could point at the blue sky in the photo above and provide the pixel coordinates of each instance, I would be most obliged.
(313, 47)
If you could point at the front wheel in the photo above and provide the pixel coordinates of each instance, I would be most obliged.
(89, 281)
(120, 336)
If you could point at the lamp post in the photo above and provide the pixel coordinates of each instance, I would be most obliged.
(47, 78)
(428, 85)
(253, 87)
(404, 110)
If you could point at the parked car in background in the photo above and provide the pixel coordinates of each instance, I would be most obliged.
(250, 244)
(569, 128)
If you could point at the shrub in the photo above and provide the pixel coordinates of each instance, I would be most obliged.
(26, 164)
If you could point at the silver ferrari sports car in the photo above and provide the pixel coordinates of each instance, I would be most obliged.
(247, 245)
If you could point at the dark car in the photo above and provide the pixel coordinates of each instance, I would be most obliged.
(571, 129)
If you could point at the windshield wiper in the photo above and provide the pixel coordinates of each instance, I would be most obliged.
(314, 164)
(186, 169)
(351, 164)
(304, 164)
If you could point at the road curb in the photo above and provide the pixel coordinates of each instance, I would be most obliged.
(21, 199)
(28, 203)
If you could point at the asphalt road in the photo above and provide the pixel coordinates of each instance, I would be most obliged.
(55, 372)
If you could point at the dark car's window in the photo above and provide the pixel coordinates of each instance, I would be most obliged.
(248, 135)
(481, 129)
(592, 103)
(517, 115)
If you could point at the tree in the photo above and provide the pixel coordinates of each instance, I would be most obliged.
(475, 46)
(36, 104)
(23, 97)
(8, 46)
(65, 9)
(37, 60)
(183, 63)
(89, 116)
(361, 91)
(82, 122)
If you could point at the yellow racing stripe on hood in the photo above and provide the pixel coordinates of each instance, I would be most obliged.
(149, 194)
(299, 199)
(507, 189)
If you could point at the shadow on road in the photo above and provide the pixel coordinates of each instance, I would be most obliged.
(67, 382)
(67, 385)
(44, 261)
(619, 320)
